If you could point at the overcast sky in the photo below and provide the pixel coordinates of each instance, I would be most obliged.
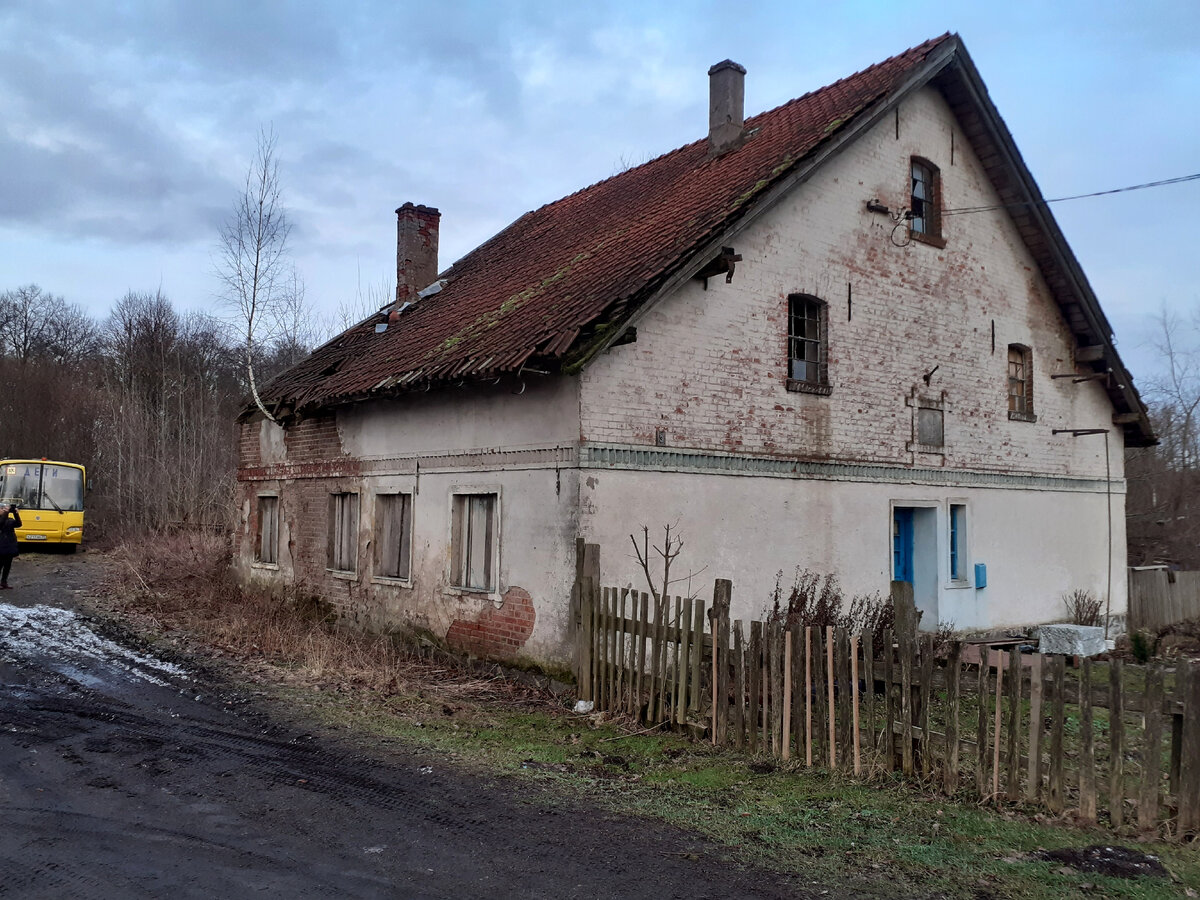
(128, 127)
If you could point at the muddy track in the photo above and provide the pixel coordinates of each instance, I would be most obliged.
(122, 775)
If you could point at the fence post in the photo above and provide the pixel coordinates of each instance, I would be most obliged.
(1189, 774)
(719, 614)
(585, 639)
(953, 673)
(1087, 752)
(1151, 749)
(1116, 734)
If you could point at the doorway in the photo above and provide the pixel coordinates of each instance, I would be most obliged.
(914, 557)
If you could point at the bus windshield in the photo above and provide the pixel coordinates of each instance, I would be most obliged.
(42, 486)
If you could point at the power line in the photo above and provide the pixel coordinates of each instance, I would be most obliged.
(1120, 190)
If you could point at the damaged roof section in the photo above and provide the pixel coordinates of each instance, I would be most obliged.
(562, 282)
(556, 276)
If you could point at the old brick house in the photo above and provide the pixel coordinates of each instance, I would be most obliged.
(843, 334)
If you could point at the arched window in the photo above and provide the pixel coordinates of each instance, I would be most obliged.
(1020, 383)
(808, 344)
(925, 203)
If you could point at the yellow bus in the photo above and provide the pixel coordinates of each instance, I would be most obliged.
(49, 498)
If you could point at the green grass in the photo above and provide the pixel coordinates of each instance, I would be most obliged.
(882, 838)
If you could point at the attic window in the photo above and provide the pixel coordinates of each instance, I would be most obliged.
(808, 344)
(1020, 383)
(925, 203)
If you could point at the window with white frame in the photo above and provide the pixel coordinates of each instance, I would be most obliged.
(343, 532)
(393, 535)
(958, 542)
(474, 541)
(267, 540)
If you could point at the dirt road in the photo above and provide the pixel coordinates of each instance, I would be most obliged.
(126, 775)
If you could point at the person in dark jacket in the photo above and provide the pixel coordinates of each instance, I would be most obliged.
(10, 521)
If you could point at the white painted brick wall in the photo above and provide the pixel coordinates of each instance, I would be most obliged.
(710, 366)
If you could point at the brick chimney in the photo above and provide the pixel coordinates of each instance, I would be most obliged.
(726, 107)
(416, 250)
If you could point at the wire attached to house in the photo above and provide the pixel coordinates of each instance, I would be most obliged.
(1133, 187)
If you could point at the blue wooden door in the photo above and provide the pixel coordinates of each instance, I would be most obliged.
(902, 544)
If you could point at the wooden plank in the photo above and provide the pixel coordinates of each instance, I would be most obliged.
(787, 695)
(754, 672)
(606, 642)
(587, 639)
(842, 668)
(854, 692)
(597, 659)
(654, 703)
(622, 655)
(999, 658)
(682, 662)
(925, 700)
(1087, 746)
(907, 644)
(868, 659)
(981, 731)
(739, 691)
(765, 666)
(820, 732)
(722, 594)
(1151, 750)
(1012, 781)
(797, 688)
(808, 696)
(1176, 721)
(830, 687)
(778, 735)
(953, 674)
(697, 667)
(643, 630)
(1116, 743)
(1189, 775)
(1057, 797)
(889, 703)
(1033, 784)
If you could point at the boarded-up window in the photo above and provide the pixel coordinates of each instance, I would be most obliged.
(930, 427)
(267, 544)
(343, 532)
(1020, 383)
(474, 541)
(393, 534)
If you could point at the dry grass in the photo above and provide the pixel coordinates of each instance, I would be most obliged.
(181, 585)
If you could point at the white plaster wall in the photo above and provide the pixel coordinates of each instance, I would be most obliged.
(546, 411)
(709, 367)
(537, 532)
(1036, 544)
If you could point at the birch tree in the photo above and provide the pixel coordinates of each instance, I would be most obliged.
(253, 265)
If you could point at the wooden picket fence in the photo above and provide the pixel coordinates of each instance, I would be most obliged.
(1104, 741)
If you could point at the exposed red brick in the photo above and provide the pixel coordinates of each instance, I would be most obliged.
(496, 632)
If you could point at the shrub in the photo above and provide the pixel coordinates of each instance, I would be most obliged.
(1083, 607)
(817, 600)
(1141, 646)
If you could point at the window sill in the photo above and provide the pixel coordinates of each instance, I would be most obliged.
(466, 593)
(959, 586)
(933, 240)
(808, 387)
(1014, 416)
(914, 447)
(342, 574)
(394, 582)
(265, 566)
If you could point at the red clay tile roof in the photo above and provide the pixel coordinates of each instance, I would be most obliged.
(562, 271)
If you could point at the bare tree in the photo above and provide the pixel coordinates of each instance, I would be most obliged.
(252, 263)
(671, 547)
(28, 314)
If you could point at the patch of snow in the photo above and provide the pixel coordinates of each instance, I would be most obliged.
(62, 636)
